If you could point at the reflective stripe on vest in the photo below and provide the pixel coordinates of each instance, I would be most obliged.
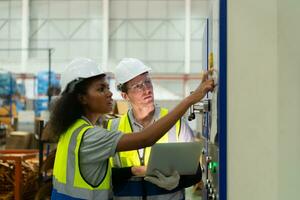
(67, 178)
(131, 158)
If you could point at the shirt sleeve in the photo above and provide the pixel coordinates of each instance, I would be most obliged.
(186, 134)
(98, 144)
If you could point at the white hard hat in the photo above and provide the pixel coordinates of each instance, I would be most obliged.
(128, 68)
(77, 70)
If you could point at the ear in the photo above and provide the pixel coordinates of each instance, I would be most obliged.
(82, 99)
(124, 96)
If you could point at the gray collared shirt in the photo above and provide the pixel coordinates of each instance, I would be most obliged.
(186, 133)
(98, 144)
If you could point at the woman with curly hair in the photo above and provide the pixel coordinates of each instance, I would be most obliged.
(81, 168)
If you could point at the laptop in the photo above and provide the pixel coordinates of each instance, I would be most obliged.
(182, 156)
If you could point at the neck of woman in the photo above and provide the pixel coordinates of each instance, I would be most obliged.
(92, 117)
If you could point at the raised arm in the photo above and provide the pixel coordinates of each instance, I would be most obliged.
(154, 132)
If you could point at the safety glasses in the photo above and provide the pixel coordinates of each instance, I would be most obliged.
(141, 86)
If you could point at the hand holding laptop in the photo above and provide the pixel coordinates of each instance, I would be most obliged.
(166, 182)
(159, 179)
(167, 161)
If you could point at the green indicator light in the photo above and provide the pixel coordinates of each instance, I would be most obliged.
(215, 164)
(212, 166)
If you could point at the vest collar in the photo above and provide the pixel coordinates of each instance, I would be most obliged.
(87, 120)
(156, 116)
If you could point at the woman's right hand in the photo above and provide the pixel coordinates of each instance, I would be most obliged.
(205, 86)
(149, 135)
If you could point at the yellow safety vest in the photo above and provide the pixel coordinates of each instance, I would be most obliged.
(67, 178)
(132, 158)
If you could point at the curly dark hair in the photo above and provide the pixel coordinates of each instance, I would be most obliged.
(68, 108)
